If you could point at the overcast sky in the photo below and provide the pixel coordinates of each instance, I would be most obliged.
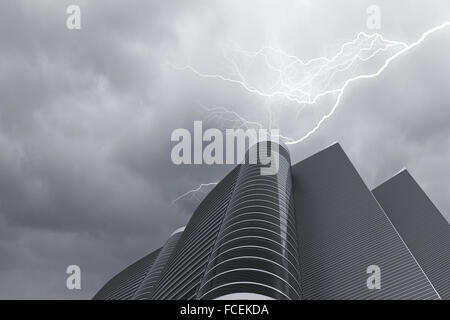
(86, 117)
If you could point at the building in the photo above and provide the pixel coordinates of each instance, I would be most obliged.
(311, 231)
(343, 230)
(421, 225)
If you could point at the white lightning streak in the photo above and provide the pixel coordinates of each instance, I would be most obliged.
(220, 112)
(328, 68)
(194, 191)
(294, 92)
(368, 76)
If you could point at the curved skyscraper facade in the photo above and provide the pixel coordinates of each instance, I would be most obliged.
(312, 230)
(148, 284)
(255, 254)
(185, 270)
(124, 285)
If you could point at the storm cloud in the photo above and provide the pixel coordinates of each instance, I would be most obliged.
(86, 117)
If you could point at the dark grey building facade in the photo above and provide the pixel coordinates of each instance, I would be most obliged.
(342, 230)
(421, 225)
(124, 285)
(310, 231)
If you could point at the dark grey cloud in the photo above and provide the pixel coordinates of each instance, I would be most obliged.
(86, 117)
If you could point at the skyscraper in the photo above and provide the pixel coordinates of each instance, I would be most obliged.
(422, 226)
(343, 230)
(124, 285)
(309, 231)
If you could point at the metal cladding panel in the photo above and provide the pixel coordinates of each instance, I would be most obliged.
(185, 269)
(256, 249)
(421, 225)
(145, 290)
(124, 284)
(342, 230)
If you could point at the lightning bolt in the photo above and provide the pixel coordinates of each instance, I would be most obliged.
(298, 92)
(237, 121)
(222, 114)
(368, 76)
(195, 191)
(305, 82)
